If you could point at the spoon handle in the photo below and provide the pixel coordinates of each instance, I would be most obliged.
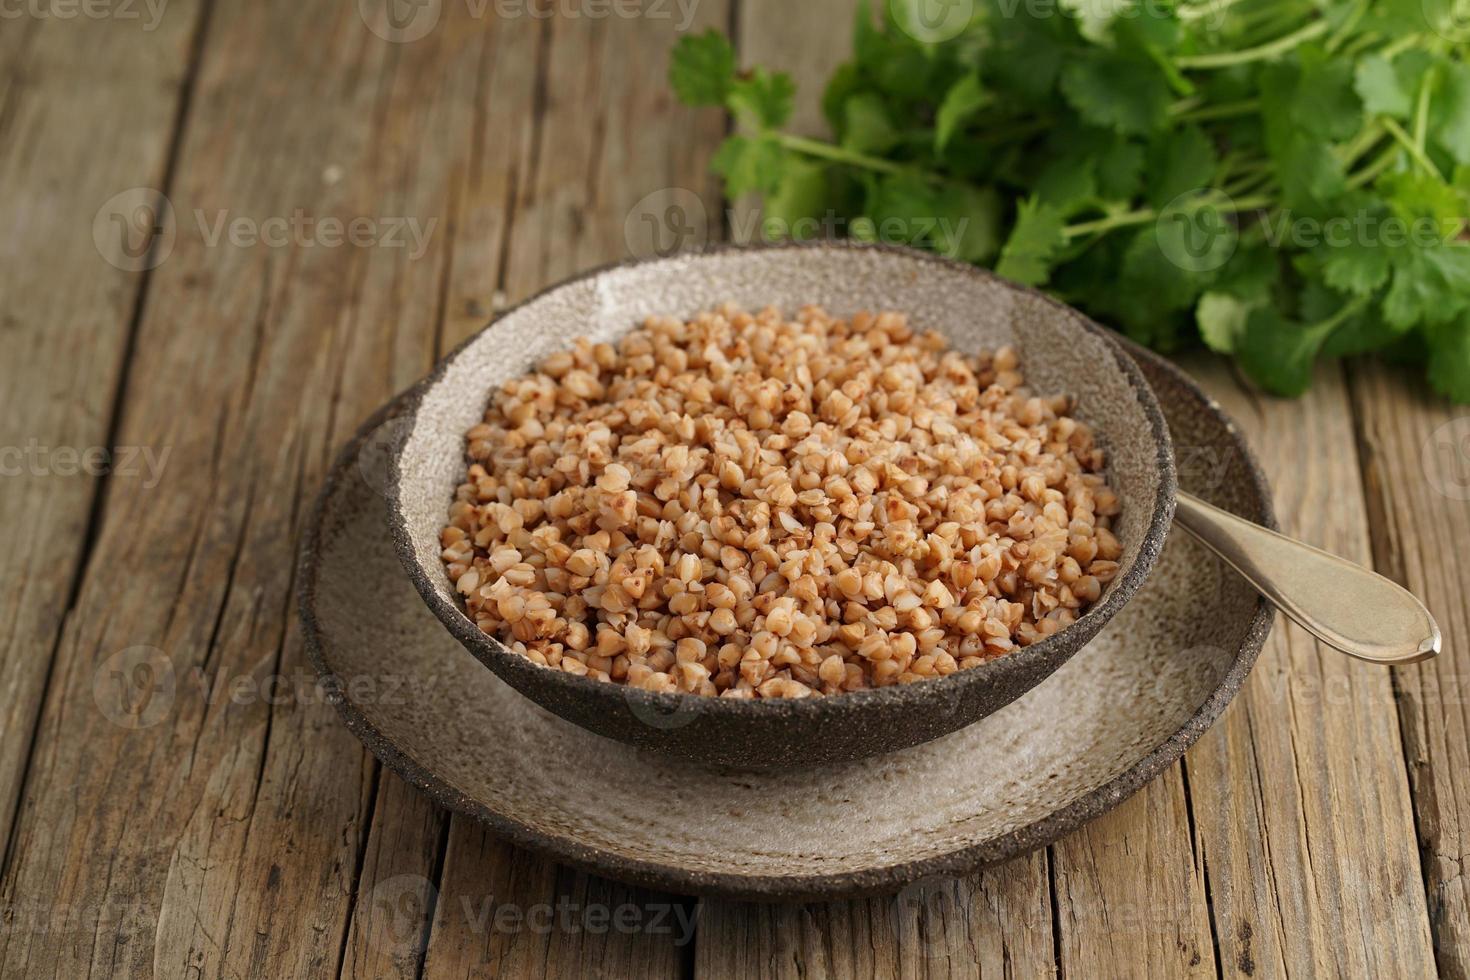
(1343, 604)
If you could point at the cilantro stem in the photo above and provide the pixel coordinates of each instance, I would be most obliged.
(1248, 182)
(1210, 8)
(1101, 225)
(1421, 110)
(838, 154)
(1405, 43)
(1281, 45)
(1414, 149)
(1349, 25)
(1371, 172)
(1366, 139)
(1323, 328)
(1225, 110)
(1360, 44)
(1145, 215)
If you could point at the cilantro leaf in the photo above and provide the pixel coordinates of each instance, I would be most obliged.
(968, 222)
(1151, 31)
(964, 98)
(1306, 166)
(1359, 335)
(954, 219)
(845, 82)
(1196, 236)
(931, 22)
(1278, 353)
(1380, 88)
(1449, 359)
(1451, 128)
(1066, 183)
(763, 99)
(1025, 54)
(1323, 100)
(1430, 285)
(1082, 122)
(702, 68)
(1114, 92)
(1184, 161)
(1222, 320)
(1396, 18)
(1034, 243)
(895, 62)
(1355, 266)
(800, 198)
(902, 207)
(867, 128)
(1120, 169)
(1418, 198)
(1252, 272)
(750, 163)
(1169, 263)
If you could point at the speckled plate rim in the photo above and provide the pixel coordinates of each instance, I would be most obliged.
(884, 880)
(1056, 649)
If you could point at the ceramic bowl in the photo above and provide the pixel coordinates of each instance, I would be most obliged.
(1061, 351)
(1073, 747)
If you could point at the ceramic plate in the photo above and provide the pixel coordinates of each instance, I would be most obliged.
(1091, 735)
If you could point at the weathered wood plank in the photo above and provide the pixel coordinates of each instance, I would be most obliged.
(505, 912)
(582, 139)
(1415, 454)
(220, 832)
(396, 889)
(994, 924)
(1300, 795)
(1130, 891)
(67, 88)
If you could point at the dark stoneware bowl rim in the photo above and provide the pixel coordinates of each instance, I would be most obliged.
(1055, 650)
(770, 887)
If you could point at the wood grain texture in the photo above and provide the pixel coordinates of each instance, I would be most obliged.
(189, 807)
(1415, 452)
(220, 833)
(567, 146)
(1130, 891)
(67, 87)
(994, 924)
(1301, 798)
(396, 891)
(505, 912)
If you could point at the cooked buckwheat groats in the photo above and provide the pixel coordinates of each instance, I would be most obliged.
(751, 506)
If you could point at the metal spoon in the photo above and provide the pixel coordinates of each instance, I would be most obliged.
(1343, 604)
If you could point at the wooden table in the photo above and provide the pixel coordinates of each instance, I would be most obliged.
(235, 828)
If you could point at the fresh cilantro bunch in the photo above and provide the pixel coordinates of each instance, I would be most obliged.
(1280, 179)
